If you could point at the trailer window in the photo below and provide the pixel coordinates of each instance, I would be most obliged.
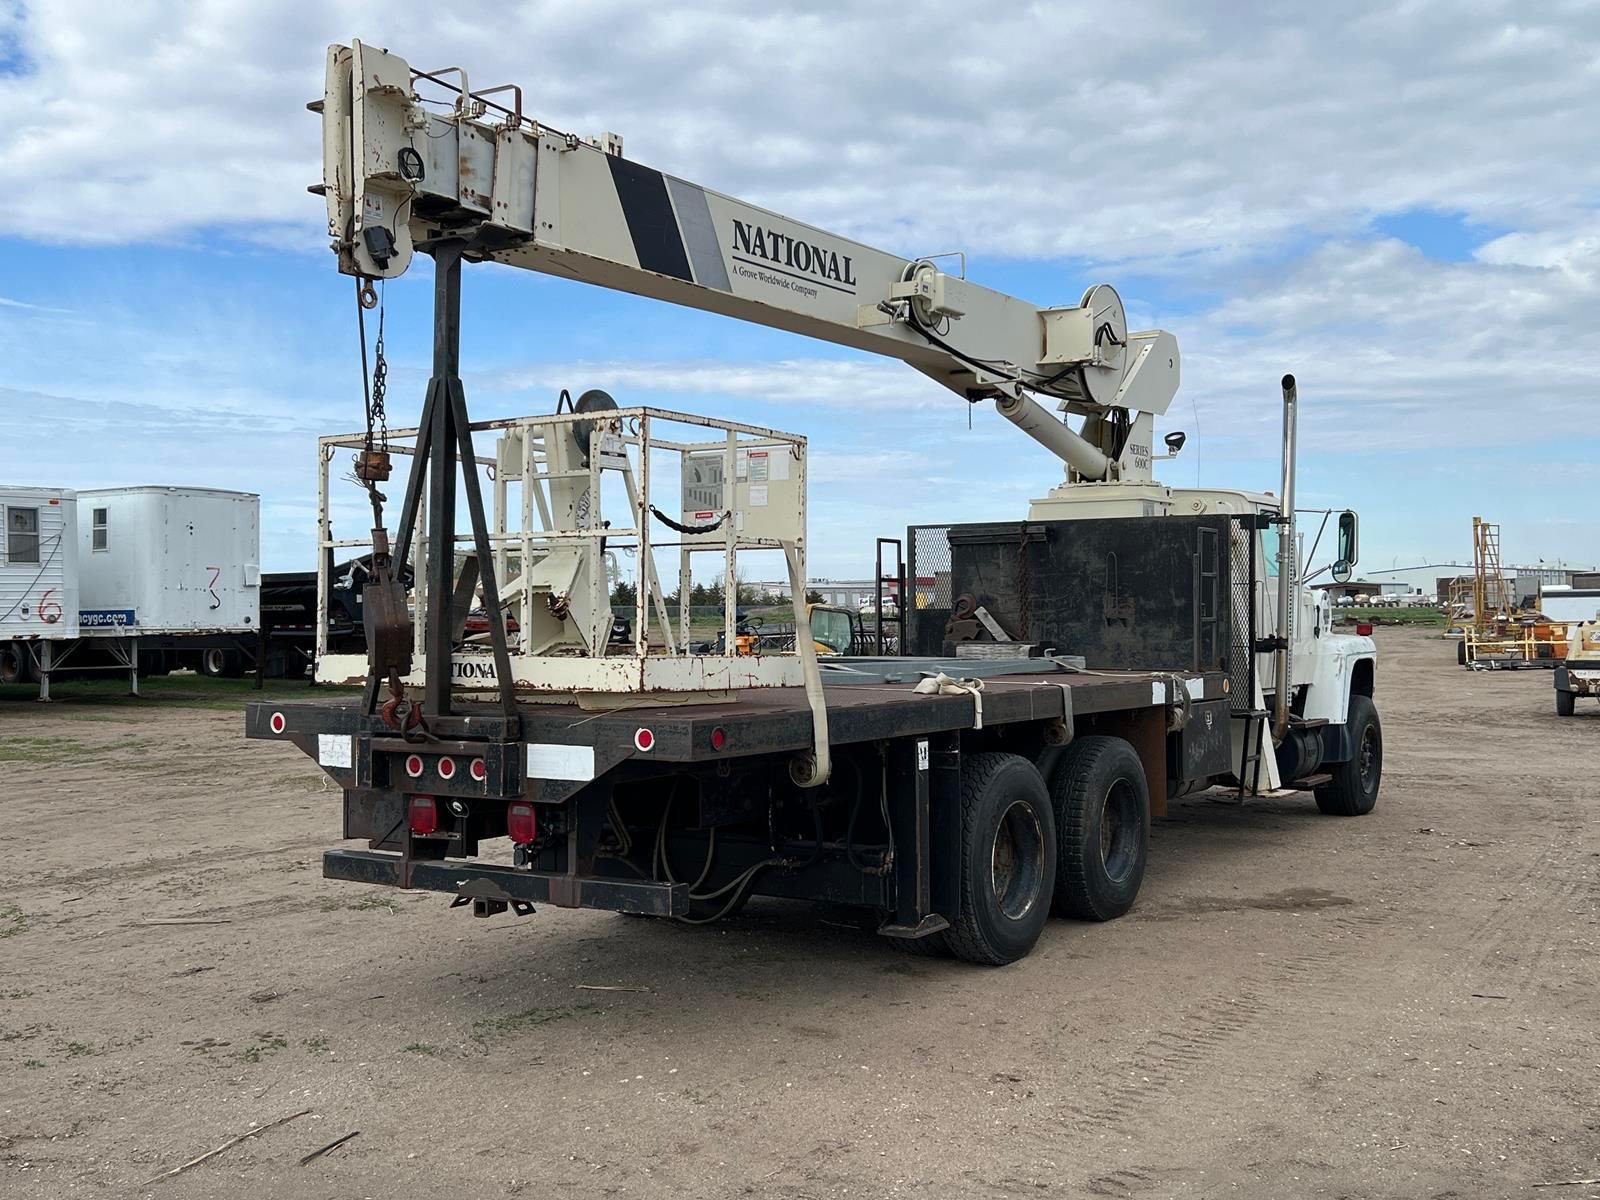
(98, 540)
(22, 535)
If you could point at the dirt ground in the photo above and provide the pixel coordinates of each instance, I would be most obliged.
(1401, 1005)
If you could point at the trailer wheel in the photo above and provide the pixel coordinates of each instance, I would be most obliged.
(1566, 703)
(1354, 789)
(1102, 803)
(1461, 652)
(219, 663)
(15, 664)
(1008, 860)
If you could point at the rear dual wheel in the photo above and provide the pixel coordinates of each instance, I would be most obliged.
(1008, 861)
(1077, 848)
(1102, 811)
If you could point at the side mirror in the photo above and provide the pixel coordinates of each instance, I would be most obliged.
(1175, 441)
(1341, 571)
(1349, 540)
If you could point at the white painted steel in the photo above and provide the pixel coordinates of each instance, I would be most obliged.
(534, 197)
(558, 588)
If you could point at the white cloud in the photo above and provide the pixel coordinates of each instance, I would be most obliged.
(1394, 351)
(1240, 152)
(813, 382)
(1136, 133)
(19, 304)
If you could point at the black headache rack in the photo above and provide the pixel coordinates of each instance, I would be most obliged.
(571, 765)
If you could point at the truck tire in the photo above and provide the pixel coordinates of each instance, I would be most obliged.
(15, 664)
(219, 663)
(1566, 703)
(1354, 789)
(1008, 860)
(1102, 810)
(1461, 652)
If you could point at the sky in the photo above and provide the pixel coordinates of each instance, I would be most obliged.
(1397, 202)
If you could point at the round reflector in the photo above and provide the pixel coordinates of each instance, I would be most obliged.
(277, 722)
(719, 738)
(644, 740)
(447, 767)
(479, 769)
(414, 765)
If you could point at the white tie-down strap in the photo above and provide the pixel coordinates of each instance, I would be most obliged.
(943, 685)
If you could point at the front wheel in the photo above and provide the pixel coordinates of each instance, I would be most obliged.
(1353, 791)
(1566, 703)
(1008, 860)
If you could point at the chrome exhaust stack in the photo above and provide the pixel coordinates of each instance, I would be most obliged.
(1288, 566)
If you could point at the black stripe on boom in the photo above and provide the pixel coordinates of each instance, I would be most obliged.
(652, 226)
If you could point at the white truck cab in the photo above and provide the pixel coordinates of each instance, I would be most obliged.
(1332, 719)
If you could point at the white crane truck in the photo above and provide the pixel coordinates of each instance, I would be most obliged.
(1170, 642)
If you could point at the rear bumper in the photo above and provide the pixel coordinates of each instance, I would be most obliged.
(508, 884)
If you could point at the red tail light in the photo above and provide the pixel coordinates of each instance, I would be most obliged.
(424, 815)
(719, 738)
(479, 769)
(1364, 628)
(447, 767)
(414, 765)
(644, 740)
(521, 824)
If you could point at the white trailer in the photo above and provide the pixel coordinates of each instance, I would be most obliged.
(38, 569)
(149, 578)
(170, 560)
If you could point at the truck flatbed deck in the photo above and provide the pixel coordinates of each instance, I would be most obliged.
(765, 720)
(600, 804)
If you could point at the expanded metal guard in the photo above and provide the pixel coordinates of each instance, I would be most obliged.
(1242, 622)
(927, 607)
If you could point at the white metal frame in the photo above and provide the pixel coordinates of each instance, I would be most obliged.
(527, 528)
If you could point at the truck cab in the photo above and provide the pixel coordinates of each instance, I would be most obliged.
(1332, 717)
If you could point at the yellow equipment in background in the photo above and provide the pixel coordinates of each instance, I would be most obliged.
(1497, 632)
(833, 629)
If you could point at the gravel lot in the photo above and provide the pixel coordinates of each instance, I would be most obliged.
(1399, 1005)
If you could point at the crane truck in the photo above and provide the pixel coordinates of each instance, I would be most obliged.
(1148, 640)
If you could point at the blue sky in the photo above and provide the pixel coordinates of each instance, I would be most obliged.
(1398, 206)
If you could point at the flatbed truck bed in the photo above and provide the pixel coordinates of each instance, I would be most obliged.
(941, 814)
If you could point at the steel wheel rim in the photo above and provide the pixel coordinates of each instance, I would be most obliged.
(1367, 758)
(1119, 831)
(1016, 859)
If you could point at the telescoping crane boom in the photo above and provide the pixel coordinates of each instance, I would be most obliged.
(403, 173)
